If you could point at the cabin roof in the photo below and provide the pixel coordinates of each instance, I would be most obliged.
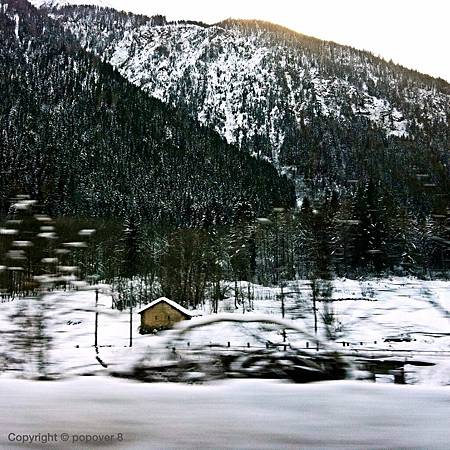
(173, 304)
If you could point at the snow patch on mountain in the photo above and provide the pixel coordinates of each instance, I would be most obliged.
(16, 29)
(240, 71)
(62, 3)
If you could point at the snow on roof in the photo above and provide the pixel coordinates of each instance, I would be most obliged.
(173, 304)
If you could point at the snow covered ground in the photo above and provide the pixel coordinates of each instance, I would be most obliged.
(85, 412)
(399, 317)
(234, 414)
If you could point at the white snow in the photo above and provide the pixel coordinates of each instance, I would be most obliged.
(371, 311)
(24, 203)
(86, 232)
(22, 244)
(75, 244)
(47, 235)
(241, 414)
(173, 304)
(61, 3)
(16, 30)
(8, 231)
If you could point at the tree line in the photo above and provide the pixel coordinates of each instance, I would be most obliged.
(368, 235)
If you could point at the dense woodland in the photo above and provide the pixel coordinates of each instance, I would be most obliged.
(175, 207)
(83, 141)
(345, 238)
(327, 114)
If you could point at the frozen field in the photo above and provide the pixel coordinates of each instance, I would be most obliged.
(401, 316)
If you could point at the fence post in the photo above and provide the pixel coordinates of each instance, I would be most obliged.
(399, 375)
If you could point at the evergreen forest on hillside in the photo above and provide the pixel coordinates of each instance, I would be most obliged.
(179, 209)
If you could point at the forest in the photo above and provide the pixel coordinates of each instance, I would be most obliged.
(178, 209)
(354, 238)
(84, 142)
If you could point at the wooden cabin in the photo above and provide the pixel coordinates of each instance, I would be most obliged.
(162, 314)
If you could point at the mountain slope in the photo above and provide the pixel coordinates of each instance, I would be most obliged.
(324, 112)
(60, 3)
(83, 141)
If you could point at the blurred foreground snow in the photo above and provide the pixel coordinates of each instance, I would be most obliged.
(233, 414)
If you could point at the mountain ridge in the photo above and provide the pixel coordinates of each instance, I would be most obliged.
(276, 27)
(278, 94)
(327, 115)
(62, 3)
(110, 5)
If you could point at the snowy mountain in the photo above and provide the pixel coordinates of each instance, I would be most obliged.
(323, 112)
(82, 140)
(329, 116)
(61, 3)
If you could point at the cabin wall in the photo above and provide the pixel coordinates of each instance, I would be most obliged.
(160, 316)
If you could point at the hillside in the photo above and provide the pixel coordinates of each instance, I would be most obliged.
(322, 112)
(83, 141)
